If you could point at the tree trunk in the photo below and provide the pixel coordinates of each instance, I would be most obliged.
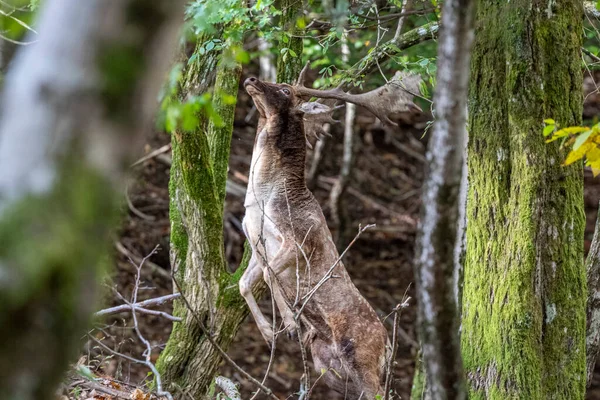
(523, 322)
(440, 213)
(74, 108)
(197, 192)
(288, 66)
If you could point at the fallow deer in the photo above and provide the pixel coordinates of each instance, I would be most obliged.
(292, 247)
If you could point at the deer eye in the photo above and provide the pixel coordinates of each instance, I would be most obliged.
(286, 91)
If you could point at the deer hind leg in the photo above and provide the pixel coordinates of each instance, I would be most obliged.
(354, 367)
(333, 370)
(364, 359)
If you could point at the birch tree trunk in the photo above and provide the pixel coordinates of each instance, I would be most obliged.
(524, 297)
(434, 259)
(74, 107)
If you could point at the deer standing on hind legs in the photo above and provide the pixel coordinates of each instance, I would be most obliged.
(292, 247)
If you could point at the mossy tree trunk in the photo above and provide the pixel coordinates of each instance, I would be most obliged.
(523, 310)
(197, 192)
(289, 64)
(74, 108)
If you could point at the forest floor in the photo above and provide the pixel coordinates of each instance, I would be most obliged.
(384, 189)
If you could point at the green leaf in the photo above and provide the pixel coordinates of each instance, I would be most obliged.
(548, 129)
(210, 46)
(293, 53)
(581, 139)
(285, 39)
(549, 121)
(242, 57)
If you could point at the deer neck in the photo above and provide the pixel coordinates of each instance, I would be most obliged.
(278, 157)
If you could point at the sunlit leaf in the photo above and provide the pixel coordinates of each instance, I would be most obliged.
(581, 139)
(578, 154)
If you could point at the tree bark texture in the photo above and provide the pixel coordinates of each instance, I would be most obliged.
(288, 68)
(74, 107)
(523, 310)
(436, 241)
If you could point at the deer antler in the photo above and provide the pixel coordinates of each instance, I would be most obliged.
(395, 96)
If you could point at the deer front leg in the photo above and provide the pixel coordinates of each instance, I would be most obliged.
(249, 279)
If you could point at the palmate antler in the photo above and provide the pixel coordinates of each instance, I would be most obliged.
(395, 96)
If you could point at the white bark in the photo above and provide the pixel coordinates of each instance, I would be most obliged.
(67, 113)
(53, 93)
(434, 261)
(338, 189)
(268, 72)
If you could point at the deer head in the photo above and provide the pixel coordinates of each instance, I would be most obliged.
(395, 96)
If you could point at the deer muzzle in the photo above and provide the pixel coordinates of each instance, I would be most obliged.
(253, 86)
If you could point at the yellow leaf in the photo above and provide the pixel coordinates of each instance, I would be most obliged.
(578, 154)
(593, 155)
(573, 130)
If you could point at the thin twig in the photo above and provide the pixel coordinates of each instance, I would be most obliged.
(18, 21)
(141, 304)
(153, 267)
(390, 364)
(329, 273)
(152, 154)
(148, 352)
(134, 210)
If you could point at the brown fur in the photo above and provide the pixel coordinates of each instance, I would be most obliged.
(345, 334)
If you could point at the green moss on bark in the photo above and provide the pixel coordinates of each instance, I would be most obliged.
(289, 67)
(219, 137)
(523, 330)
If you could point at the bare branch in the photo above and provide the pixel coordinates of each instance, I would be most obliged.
(390, 49)
(153, 154)
(158, 301)
(228, 387)
(392, 357)
(406, 6)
